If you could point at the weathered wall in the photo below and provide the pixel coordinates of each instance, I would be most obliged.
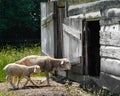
(110, 42)
(47, 29)
(109, 39)
(93, 6)
(110, 50)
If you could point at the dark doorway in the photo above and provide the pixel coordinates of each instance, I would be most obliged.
(93, 47)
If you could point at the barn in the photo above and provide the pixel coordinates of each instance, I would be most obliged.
(88, 33)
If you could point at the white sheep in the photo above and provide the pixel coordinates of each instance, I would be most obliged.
(47, 64)
(19, 71)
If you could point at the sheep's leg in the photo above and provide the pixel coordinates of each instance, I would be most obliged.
(29, 79)
(14, 79)
(47, 78)
(25, 83)
(18, 81)
(9, 79)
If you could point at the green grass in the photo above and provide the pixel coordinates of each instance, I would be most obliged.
(9, 54)
(7, 94)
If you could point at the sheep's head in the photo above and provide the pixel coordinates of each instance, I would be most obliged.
(65, 64)
(37, 69)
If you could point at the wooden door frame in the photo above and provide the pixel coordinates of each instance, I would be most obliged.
(84, 35)
(85, 46)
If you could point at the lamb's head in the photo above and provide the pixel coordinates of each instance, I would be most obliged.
(65, 64)
(37, 69)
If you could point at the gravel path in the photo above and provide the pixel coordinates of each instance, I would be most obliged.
(56, 89)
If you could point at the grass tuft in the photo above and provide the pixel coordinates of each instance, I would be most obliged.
(9, 54)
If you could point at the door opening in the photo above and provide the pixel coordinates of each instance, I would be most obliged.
(93, 47)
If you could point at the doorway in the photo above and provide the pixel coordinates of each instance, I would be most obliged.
(93, 47)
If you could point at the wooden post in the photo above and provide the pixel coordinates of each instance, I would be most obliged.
(66, 9)
(61, 15)
(55, 17)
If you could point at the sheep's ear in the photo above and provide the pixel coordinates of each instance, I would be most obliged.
(62, 62)
(35, 70)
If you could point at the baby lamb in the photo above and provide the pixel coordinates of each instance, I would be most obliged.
(19, 71)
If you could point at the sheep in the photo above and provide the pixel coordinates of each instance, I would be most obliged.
(19, 71)
(47, 64)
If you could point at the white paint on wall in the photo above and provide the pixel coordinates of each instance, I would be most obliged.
(110, 52)
(110, 35)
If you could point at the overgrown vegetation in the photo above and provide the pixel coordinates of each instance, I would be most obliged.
(19, 19)
(9, 54)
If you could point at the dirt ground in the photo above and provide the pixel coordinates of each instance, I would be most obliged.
(57, 88)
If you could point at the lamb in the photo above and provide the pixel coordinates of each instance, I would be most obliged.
(47, 64)
(19, 71)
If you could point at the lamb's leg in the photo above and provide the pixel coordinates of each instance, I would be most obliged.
(14, 79)
(18, 81)
(29, 79)
(9, 79)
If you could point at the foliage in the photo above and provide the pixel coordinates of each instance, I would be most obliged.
(11, 54)
(19, 19)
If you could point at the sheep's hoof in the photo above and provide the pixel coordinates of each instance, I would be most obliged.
(12, 89)
(37, 86)
(15, 88)
(49, 85)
